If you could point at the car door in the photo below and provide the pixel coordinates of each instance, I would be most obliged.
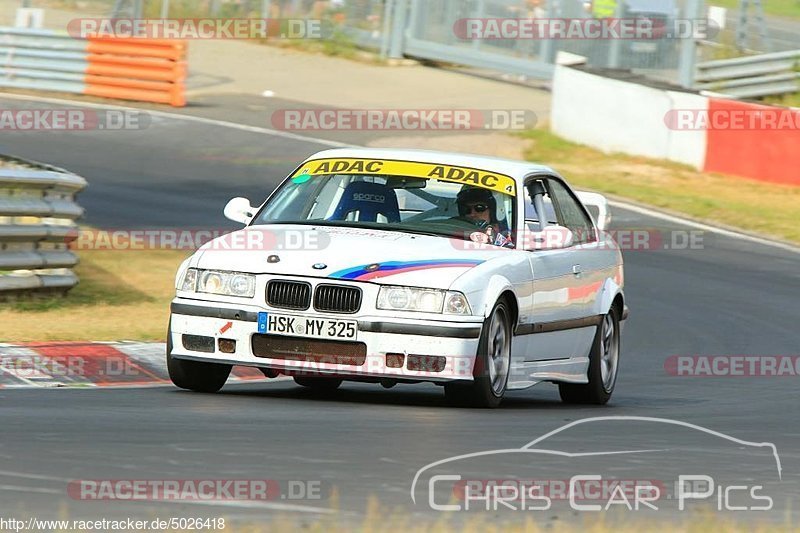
(560, 320)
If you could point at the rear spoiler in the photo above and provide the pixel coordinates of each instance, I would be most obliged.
(597, 206)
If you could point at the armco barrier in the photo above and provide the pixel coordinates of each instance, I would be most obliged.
(751, 76)
(620, 116)
(148, 70)
(37, 219)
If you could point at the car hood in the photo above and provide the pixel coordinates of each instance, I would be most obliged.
(352, 254)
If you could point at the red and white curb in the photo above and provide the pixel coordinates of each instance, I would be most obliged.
(91, 364)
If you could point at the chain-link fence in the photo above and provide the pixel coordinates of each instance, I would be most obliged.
(656, 54)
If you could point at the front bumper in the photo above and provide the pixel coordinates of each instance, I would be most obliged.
(447, 349)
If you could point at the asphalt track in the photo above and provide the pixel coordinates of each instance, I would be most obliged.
(732, 296)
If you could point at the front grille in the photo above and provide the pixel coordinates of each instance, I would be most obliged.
(285, 294)
(309, 350)
(337, 299)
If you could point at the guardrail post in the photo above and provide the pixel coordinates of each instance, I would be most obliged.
(399, 29)
(386, 31)
(688, 53)
(616, 44)
(546, 50)
(480, 12)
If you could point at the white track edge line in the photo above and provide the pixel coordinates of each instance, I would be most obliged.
(190, 118)
(652, 212)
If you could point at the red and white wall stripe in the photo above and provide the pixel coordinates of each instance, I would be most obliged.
(709, 133)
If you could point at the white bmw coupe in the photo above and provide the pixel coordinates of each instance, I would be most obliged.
(401, 266)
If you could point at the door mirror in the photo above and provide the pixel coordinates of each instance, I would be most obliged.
(597, 206)
(239, 210)
(553, 237)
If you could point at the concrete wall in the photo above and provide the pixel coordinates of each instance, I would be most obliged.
(618, 116)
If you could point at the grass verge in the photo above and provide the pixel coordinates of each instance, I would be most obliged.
(791, 100)
(337, 45)
(122, 295)
(753, 206)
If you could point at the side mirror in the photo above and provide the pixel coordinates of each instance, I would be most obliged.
(597, 204)
(553, 237)
(239, 210)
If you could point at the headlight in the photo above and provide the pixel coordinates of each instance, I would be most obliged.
(456, 303)
(189, 282)
(422, 300)
(220, 282)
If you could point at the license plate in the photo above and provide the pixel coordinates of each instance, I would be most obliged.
(301, 326)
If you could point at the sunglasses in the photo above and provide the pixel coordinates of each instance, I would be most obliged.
(467, 209)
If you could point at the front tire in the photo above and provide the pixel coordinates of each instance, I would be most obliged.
(603, 366)
(492, 364)
(195, 375)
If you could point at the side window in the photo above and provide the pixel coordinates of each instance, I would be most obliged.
(571, 213)
(532, 217)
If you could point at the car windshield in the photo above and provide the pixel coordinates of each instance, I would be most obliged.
(401, 203)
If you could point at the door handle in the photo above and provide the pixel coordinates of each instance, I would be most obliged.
(577, 270)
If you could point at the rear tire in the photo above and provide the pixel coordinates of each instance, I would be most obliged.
(195, 375)
(492, 363)
(603, 366)
(317, 383)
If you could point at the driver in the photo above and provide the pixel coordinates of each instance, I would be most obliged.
(480, 207)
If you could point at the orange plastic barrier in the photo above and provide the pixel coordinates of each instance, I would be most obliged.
(148, 70)
(760, 142)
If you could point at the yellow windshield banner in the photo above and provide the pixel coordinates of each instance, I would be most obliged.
(382, 167)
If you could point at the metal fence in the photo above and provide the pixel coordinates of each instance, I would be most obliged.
(37, 220)
(425, 29)
(430, 35)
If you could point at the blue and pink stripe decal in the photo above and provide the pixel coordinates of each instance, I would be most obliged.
(390, 268)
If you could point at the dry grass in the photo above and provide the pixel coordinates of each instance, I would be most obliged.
(123, 295)
(379, 519)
